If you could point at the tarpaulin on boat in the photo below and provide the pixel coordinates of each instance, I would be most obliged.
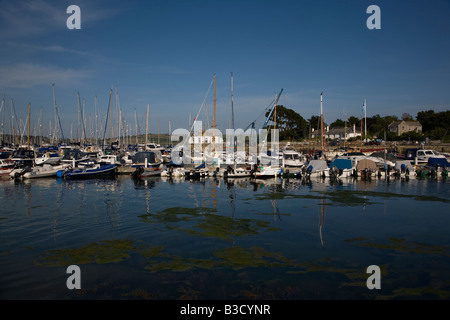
(317, 165)
(403, 165)
(366, 164)
(442, 162)
(141, 156)
(341, 163)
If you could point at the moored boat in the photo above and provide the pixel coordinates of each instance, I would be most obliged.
(341, 168)
(44, 171)
(84, 173)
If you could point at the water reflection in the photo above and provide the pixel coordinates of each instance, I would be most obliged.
(250, 238)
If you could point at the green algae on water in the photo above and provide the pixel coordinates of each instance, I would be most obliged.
(109, 251)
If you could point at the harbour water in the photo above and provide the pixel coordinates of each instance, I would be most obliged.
(156, 238)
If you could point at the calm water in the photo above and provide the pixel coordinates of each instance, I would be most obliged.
(211, 239)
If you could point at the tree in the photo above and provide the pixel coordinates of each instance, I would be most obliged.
(378, 125)
(354, 121)
(427, 119)
(290, 123)
(431, 121)
(337, 123)
(407, 117)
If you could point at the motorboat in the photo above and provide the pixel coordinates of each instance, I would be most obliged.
(316, 168)
(23, 157)
(146, 164)
(173, 172)
(434, 167)
(6, 167)
(421, 156)
(292, 158)
(43, 171)
(403, 168)
(88, 172)
(200, 171)
(341, 168)
(75, 157)
(366, 168)
(108, 159)
(51, 158)
(263, 172)
(236, 172)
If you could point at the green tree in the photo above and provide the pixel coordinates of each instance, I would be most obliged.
(337, 123)
(291, 124)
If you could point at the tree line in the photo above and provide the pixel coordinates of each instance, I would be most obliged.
(435, 125)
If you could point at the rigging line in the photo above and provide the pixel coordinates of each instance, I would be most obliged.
(107, 113)
(201, 107)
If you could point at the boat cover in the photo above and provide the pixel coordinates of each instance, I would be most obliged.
(403, 165)
(442, 162)
(366, 164)
(317, 165)
(141, 156)
(341, 163)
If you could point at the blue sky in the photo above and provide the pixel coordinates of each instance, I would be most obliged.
(165, 54)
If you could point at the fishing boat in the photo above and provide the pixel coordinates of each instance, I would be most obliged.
(341, 168)
(88, 172)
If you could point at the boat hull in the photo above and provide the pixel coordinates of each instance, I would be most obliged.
(103, 171)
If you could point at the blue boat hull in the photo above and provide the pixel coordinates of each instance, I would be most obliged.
(106, 170)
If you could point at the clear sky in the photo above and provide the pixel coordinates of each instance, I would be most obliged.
(165, 54)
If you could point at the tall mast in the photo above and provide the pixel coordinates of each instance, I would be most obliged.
(42, 122)
(54, 106)
(275, 113)
(135, 119)
(29, 116)
(345, 130)
(111, 118)
(321, 122)
(96, 121)
(146, 128)
(214, 118)
(3, 114)
(365, 120)
(232, 110)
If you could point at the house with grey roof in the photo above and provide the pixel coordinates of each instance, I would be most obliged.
(400, 127)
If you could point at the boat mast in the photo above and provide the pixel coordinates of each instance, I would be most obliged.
(3, 113)
(146, 128)
(29, 116)
(214, 117)
(111, 121)
(365, 120)
(135, 119)
(345, 130)
(41, 125)
(321, 124)
(232, 110)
